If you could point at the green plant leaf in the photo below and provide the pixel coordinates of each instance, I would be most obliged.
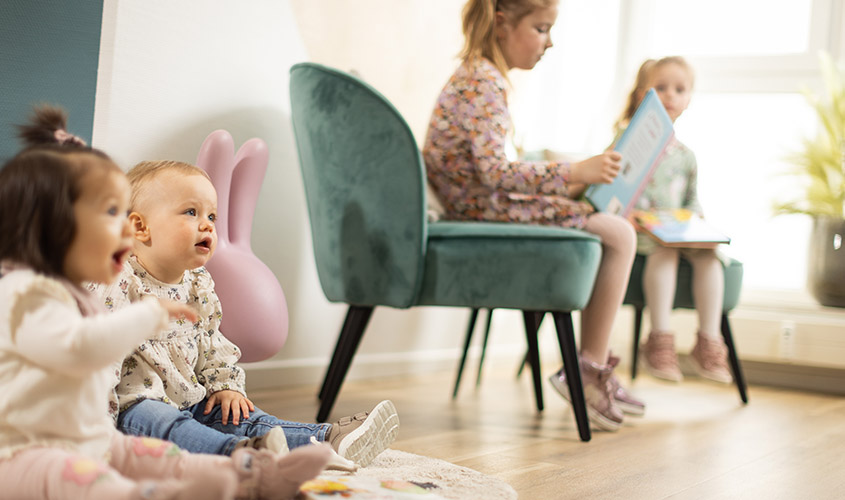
(820, 166)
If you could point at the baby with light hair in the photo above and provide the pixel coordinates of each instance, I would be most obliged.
(184, 384)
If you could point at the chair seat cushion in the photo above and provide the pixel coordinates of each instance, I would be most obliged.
(683, 295)
(507, 265)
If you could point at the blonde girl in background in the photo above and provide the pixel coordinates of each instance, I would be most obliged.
(63, 209)
(674, 185)
(465, 158)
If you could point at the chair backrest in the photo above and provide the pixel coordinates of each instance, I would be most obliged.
(365, 188)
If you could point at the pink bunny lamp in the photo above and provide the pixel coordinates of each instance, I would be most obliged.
(255, 314)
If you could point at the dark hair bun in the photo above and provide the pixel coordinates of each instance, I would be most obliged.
(47, 125)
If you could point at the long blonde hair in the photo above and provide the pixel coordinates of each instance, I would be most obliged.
(479, 23)
(640, 86)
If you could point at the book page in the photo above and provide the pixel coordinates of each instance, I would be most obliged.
(680, 228)
(641, 145)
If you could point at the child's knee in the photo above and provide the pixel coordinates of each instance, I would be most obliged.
(83, 471)
(624, 236)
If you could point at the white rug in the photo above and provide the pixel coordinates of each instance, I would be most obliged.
(438, 478)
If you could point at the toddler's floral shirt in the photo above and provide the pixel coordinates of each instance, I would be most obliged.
(184, 363)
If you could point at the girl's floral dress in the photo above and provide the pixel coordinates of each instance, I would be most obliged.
(465, 158)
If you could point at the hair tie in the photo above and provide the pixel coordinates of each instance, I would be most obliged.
(65, 137)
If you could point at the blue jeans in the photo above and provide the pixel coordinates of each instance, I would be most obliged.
(192, 431)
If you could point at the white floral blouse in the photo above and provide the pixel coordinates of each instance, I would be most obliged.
(186, 362)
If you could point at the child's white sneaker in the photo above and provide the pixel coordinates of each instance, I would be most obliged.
(361, 437)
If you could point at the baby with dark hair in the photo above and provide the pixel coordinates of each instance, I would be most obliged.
(63, 209)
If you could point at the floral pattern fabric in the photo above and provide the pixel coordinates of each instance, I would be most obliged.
(185, 362)
(468, 168)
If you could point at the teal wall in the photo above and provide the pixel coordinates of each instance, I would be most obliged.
(49, 51)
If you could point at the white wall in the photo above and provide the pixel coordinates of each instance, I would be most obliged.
(172, 72)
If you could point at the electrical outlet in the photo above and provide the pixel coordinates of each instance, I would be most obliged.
(786, 341)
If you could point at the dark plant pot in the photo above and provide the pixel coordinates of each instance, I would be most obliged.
(826, 278)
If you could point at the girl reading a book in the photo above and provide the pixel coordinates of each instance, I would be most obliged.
(673, 186)
(465, 158)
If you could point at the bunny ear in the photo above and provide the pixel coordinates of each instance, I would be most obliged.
(216, 157)
(250, 167)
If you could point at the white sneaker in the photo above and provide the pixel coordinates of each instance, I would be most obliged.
(361, 437)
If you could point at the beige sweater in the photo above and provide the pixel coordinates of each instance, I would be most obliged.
(57, 366)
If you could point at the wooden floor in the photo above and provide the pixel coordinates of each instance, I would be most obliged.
(697, 441)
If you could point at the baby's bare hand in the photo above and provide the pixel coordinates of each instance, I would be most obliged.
(177, 310)
(600, 169)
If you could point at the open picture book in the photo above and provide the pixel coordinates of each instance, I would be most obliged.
(641, 145)
(366, 488)
(679, 228)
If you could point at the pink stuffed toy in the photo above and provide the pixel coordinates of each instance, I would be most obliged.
(255, 314)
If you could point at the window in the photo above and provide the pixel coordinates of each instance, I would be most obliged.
(751, 60)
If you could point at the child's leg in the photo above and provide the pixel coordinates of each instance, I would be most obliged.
(56, 474)
(160, 420)
(660, 278)
(710, 355)
(618, 248)
(259, 423)
(247, 474)
(708, 290)
(51, 473)
(357, 439)
(618, 245)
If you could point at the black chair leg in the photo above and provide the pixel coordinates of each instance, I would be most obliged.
(566, 338)
(473, 315)
(350, 336)
(532, 319)
(734, 360)
(342, 339)
(635, 350)
(539, 319)
(484, 346)
(522, 365)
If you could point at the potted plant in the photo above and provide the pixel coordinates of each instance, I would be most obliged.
(820, 168)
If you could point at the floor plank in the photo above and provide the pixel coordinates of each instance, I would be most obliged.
(696, 440)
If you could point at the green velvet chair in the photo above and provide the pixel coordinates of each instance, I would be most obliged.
(365, 189)
(634, 297)
(683, 300)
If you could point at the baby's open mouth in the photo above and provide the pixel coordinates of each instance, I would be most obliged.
(205, 243)
(120, 256)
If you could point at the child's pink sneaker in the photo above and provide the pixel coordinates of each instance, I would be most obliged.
(602, 410)
(660, 358)
(624, 400)
(710, 359)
